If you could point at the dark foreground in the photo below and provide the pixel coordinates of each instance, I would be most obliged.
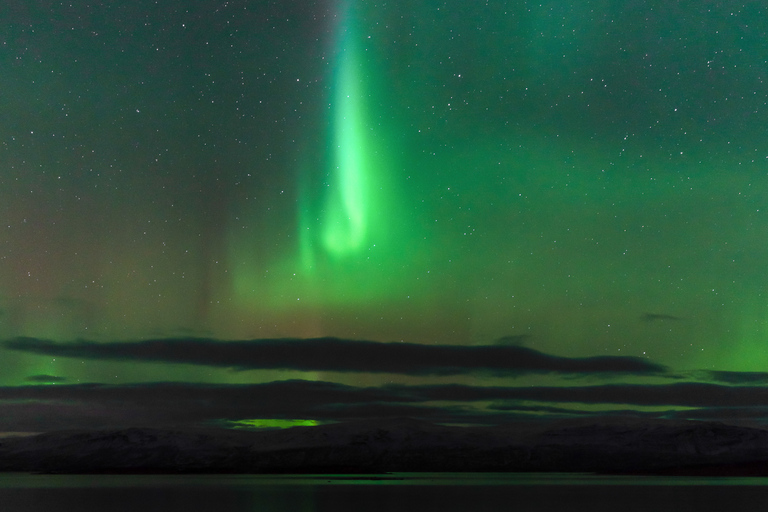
(422, 492)
(403, 445)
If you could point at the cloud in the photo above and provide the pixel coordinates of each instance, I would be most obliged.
(45, 378)
(184, 404)
(39, 408)
(734, 377)
(685, 394)
(338, 355)
(755, 415)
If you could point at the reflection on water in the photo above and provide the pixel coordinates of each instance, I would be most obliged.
(444, 492)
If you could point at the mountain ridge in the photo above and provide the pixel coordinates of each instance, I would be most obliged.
(400, 445)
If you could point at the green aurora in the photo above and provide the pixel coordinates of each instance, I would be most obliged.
(588, 178)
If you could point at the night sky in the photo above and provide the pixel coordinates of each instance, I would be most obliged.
(217, 212)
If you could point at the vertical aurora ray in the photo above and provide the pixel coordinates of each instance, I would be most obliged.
(345, 226)
(352, 238)
(347, 207)
(350, 231)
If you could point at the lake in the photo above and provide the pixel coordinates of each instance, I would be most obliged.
(443, 492)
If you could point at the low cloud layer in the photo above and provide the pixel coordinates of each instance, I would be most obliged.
(716, 395)
(734, 377)
(338, 355)
(165, 404)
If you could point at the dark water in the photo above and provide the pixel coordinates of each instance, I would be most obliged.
(396, 492)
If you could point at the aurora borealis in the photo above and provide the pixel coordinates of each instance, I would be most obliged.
(559, 182)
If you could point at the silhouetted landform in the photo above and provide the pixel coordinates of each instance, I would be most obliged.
(402, 445)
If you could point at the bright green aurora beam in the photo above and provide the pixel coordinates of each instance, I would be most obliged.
(354, 240)
(347, 220)
(344, 228)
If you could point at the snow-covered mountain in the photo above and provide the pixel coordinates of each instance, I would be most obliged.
(399, 445)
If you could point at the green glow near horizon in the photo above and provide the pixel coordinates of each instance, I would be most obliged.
(273, 423)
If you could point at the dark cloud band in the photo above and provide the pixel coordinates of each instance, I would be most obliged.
(338, 355)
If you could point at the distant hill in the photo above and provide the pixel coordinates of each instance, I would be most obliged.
(400, 445)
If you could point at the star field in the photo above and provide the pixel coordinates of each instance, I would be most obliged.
(587, 179)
